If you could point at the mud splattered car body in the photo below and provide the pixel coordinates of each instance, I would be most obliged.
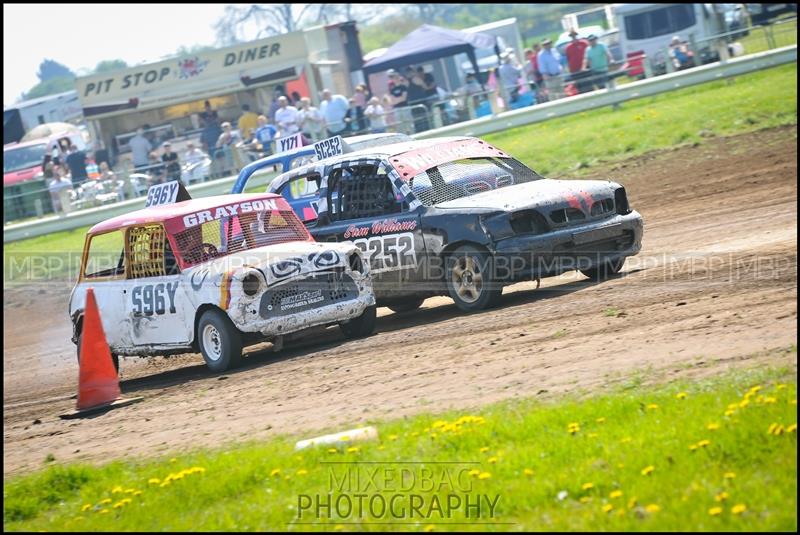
(458, 216)
(244, 261)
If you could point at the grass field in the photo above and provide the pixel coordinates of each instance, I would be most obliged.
(714, 454)
(573, 146)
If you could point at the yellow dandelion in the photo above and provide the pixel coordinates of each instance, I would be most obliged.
(474, 472)
(528, 472)
(165, 483)
(780, 386)
(86, 507)
(116, 490)
(692, 447)
(632, 502)
(755, 388)
(338, 527)
(792, 428)
(137, 493)
(302, 472)
(769, 400)
(353, 449)
(484, 475)
(721, 497)
(730, 413)
(681, 395)
(153, 481)
(615, 494)
(433, 436)
(415, 434)
(703, 443)
(652, 508)
(491, 460)
(345, 438)
(105, 501)
(607, 508)
(484, 449)
(738, 508)
(119, 505)
(287, 477)
(332, 450)
(744, 403)
(601, 420)
(713, 426)
(729, 475)
(439, 423)
(584, 499)
(103, 511)
(587, 486)
(647, 470)
(652, 407)
(275, 472)
(793, 401)
(173, 460)
(430, 527)
(714, 511)
(392, 437)
(130, 491)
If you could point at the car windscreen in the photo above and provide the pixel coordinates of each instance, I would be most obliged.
(463, 178)
(234, 234)
(18, 158)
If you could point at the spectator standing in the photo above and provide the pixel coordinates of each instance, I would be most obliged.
(333, 109)
(140, 149)
(273, 106)
(597, 60)
(209, 114)
(388, 109)
(575, 52)
(225, 143)
(265, 134)
(351, 117)
(509, 79)
(286, 118)
(360, 97)
(210, 135)
(399, 94)
(310, 120)
(76, 161)
(549, 63)
(376, 115)
(248, 120)
(681, 57)
(60, 191)
(172, 163)
(417, 95)
(532, 67)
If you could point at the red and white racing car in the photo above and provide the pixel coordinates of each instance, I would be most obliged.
(217, 273)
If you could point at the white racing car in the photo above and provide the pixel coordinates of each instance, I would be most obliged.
(215, 274)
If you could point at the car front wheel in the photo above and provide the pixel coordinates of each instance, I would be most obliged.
(470, 279)
(219, 340)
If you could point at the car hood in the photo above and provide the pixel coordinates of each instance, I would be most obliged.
(278, 262)
(539, 193)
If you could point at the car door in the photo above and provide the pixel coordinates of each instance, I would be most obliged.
(155, 303)
(363, 205)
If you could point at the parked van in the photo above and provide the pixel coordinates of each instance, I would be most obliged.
(23, 161)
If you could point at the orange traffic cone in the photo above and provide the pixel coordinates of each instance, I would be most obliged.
(98, 384)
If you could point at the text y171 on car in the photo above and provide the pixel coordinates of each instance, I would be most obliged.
(217, 273)
(456, 216)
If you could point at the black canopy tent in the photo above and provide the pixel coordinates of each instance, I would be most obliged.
(427, 43)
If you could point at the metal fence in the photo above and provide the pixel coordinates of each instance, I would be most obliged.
(35, 199)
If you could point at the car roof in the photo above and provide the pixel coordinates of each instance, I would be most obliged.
(164, 212)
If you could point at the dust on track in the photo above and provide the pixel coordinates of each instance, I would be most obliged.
(714, 288)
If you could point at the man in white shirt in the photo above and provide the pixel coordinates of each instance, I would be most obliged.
(333, 109)
(140, 147)
(375, 113)
(286, 117)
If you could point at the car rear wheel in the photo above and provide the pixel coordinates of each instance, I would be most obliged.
(407, 305)
(361, 326)
(605, 270)
(219, 340)
(114, 356)
(470, 279)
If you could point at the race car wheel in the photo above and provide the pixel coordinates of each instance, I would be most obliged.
(604, 270)
(114, 357)
(408, 305)
(360, 326)
(219, 340)
(470, 279)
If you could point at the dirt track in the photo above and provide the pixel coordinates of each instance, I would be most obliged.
(714, 287)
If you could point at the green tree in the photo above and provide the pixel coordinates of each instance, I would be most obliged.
(110, 65)
(52, 86)
(49, 69)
